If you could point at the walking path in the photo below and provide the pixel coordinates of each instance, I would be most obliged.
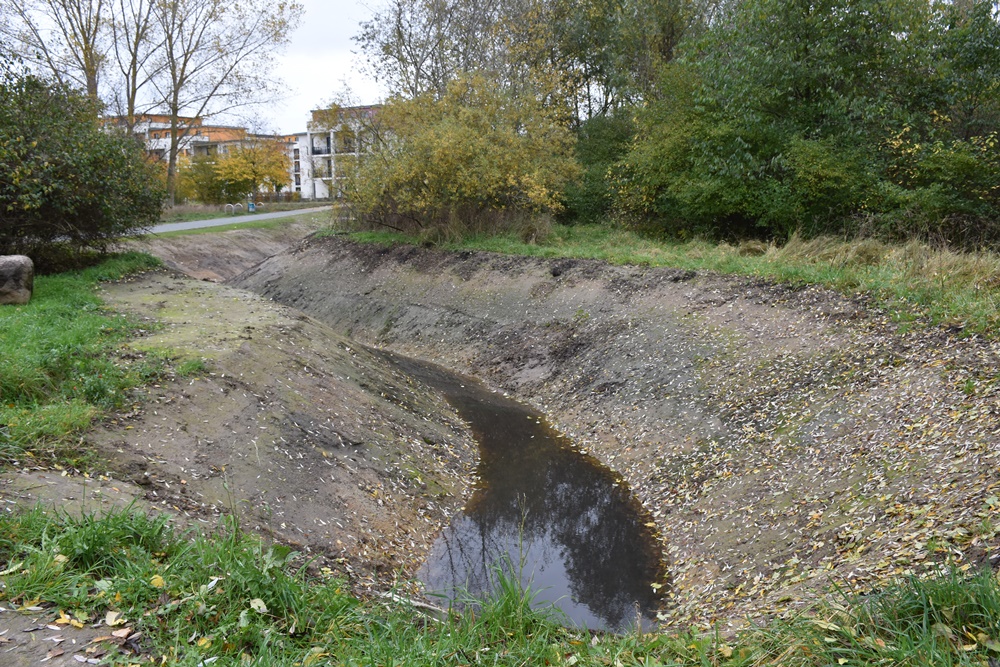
(229, 220)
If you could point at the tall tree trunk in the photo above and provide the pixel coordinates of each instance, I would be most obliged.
(175, 142)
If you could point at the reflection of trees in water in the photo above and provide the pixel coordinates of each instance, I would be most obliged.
(562, 507)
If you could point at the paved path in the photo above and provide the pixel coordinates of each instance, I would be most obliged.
(230, 220)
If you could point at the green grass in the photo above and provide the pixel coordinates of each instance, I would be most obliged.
(949, 620)
(913, 281)
(187, 213)
(227, 595)
(62, 363)
(318, 219)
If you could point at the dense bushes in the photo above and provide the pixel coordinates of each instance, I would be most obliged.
(728, 119)
(65, 181)
(475, 158)
(826, 117)
(601, 142)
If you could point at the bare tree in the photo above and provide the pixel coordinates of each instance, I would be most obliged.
(215, 57)
(408, 45)
(67, 38)
(135, 40)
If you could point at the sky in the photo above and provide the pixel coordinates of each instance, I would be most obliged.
(318, 63)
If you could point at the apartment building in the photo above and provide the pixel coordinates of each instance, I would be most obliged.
(336, 140)
(319, 157)
(154, 130)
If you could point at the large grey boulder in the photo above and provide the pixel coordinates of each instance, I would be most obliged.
(17, 279)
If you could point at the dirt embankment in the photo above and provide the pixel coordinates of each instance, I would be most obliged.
(305, 436)
(218, 256)
(782, 437)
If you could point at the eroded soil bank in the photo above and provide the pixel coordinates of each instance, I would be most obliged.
(783, 438)
(300, 433)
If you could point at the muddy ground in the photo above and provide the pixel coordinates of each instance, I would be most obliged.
(783, 438)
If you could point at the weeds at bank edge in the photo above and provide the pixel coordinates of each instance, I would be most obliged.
(227, 598)
(61, 363)
(914, 281)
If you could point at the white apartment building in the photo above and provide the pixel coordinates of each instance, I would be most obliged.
(319, 155)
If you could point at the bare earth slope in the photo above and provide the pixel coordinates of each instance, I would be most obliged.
(783, 438)
(318, 442)
(307, 438)
(304, 435)
(219, 256)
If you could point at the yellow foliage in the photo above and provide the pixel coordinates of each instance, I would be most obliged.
(256, 164)
(475, 150)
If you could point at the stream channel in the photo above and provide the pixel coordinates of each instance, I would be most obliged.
(555, 518)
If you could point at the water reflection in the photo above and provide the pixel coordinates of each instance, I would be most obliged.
(574, 534)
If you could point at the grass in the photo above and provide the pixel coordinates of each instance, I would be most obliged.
(62, 363)
(248, 222)
(230, 597)
(953, 619)
(189, 212)
(913, 281)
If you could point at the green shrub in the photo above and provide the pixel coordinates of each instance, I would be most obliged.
(770, 125)
(601, 142)
(66, 181)
(477, 158)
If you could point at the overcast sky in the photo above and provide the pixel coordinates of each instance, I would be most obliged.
(318, 62)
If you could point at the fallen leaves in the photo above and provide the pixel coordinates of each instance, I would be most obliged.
(113, 618)
(77, 622)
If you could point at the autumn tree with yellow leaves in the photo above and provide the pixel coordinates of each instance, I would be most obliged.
(476, 158)
(254, 166)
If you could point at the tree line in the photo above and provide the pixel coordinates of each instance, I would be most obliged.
(723, 118)
(180, 58)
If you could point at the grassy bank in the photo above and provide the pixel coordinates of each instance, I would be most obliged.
(249, 222)
(62, 363)
(912, 281)
(228, 598)
(189, 212)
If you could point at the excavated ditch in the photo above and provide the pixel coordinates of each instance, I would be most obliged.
(782, 438)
